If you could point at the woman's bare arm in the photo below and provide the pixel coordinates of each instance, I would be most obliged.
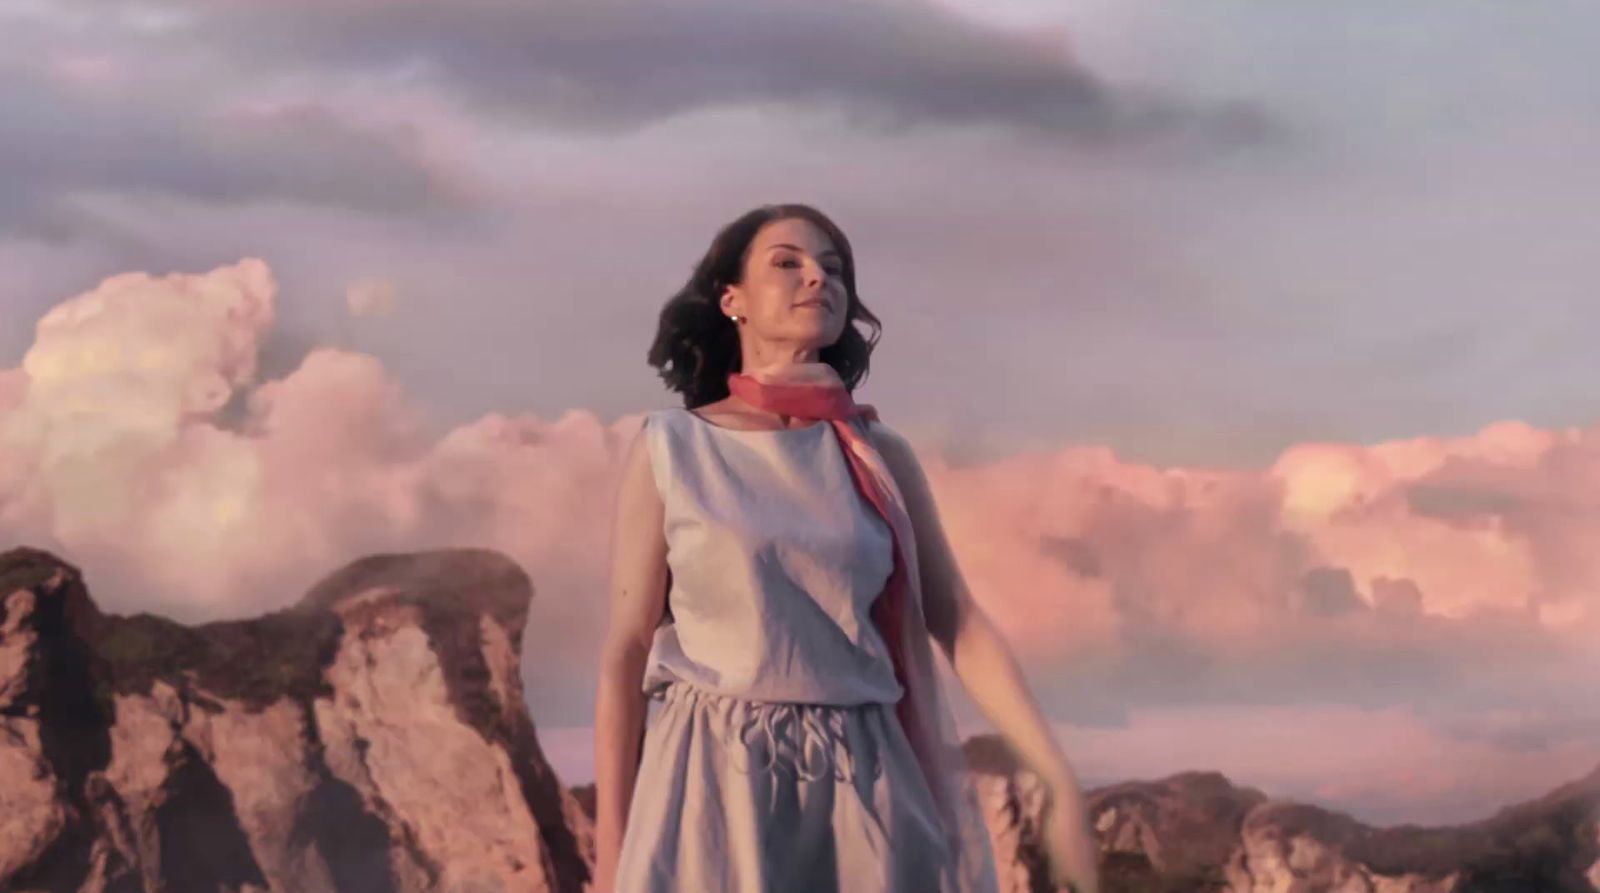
(637, 600)
(987, 669)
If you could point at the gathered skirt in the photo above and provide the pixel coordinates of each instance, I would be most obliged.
(740, 796)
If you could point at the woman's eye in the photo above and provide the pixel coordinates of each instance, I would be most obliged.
(831, 271)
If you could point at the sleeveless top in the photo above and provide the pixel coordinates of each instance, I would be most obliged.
(775, 562)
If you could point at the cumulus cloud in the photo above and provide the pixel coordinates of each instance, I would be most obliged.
(139, 442)
(115, 378)
(13, 388)
(1489, 522)
(1124, 585)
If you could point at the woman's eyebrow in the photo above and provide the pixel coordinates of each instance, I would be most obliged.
(796, 248)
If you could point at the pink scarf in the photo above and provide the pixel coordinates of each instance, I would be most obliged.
(815, 391)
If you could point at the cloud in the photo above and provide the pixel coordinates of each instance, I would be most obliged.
(615, 65)
(139, 440)
(364, 106)
(1316, 567)
(119, 383)
(127, 123)
(13, 389)
(1329, 591)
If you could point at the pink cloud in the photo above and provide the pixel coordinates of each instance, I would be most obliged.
(136, 440)
(118, 405)
(1066, 548)
(13, 389)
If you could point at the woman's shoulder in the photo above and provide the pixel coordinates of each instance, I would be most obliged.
(890, 443)
(664, 415)
(877, 428)
(655, 426)
(898, 456)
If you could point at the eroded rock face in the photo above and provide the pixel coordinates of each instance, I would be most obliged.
(371, 738)
(1294, 847)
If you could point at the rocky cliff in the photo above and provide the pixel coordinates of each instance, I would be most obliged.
(370, 738)
(373, 737)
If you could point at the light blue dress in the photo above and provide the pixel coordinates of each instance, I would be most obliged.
(776, 762)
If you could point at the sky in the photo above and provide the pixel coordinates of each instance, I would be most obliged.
(1247, 345)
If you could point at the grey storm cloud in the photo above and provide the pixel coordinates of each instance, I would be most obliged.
(60, 141)
(608, 65)
(594, 65)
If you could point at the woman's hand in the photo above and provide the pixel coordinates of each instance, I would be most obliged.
(1068, 840)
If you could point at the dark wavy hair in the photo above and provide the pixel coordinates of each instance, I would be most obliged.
(696, 346)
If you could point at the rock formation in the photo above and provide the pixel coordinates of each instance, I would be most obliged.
(373, 737)
(1196, 831)
(370, 738)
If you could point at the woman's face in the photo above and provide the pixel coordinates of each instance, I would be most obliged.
(793, 289)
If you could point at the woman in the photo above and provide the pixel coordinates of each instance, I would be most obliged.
(778, 572)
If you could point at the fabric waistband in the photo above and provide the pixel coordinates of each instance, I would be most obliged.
(805, 740)
(677, 689)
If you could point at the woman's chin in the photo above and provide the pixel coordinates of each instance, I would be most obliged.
(816, 336)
